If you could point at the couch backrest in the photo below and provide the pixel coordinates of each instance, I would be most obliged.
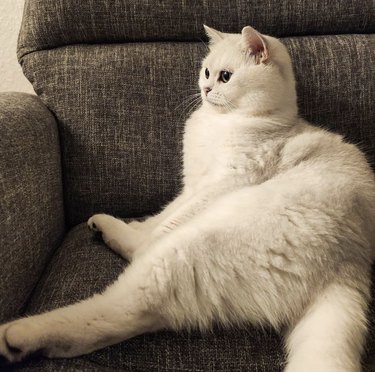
(116, 74)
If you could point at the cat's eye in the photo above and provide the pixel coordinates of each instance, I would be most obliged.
(225, 76)
(207, 73)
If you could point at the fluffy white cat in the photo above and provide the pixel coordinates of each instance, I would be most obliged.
(274, 225)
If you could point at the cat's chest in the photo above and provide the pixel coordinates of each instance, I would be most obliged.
(215, 150)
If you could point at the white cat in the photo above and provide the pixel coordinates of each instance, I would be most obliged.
(275, 225)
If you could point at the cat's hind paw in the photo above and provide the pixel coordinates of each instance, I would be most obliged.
(15, 343)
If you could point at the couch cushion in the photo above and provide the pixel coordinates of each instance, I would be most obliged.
(121, 110)
(84, 265)
(51, 23)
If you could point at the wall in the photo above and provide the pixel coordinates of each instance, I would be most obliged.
(11, 77)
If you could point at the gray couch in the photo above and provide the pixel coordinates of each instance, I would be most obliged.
(104, 133)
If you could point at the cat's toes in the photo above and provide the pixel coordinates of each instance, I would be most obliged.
(100, 222)
(91, 224)
(97, 222)
(5, 352)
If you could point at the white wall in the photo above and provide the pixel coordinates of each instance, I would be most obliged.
(11, 77)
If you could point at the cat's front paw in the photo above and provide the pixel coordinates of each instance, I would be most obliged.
(102, 225)
(97, 222)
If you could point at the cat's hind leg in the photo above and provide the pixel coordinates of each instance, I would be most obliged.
(330, 336)
(121, 312)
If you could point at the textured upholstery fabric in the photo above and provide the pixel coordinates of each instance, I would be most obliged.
(120, 111)
(31, 203)
(83, 265)
(51, 23)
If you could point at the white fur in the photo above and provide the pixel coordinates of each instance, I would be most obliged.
(274, 226)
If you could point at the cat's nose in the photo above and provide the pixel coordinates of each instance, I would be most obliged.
(206, 90)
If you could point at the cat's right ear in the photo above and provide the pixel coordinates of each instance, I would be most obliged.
(213, 35)
(255, 44)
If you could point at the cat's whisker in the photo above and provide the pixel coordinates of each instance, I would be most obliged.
(194, 107)
(188, 100)
(191, 107)
(189, 104)
(190, 90)
(194, 102)
(205, 44)
(228, 104)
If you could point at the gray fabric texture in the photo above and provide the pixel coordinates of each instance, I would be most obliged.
(31, 203)
(121, 110)
(51, 23)
(83, 265)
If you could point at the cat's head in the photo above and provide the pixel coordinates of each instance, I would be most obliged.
(249, 72)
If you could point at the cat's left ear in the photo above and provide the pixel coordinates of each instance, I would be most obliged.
(254, 44)
(213, 35)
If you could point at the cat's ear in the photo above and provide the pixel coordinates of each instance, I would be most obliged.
(213, 35)
(254, 44)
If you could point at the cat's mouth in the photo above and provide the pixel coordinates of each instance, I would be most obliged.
(213, 102)
(217, 100)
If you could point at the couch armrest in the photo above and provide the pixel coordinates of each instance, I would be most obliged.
(31, 198)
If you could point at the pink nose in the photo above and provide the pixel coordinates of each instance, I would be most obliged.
(206, 90)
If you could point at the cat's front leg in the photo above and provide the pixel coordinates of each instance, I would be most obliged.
(118, 235)
(126, 238)
(152, 222)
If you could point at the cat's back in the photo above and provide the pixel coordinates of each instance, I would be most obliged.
(333, 169)
(314, 147)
